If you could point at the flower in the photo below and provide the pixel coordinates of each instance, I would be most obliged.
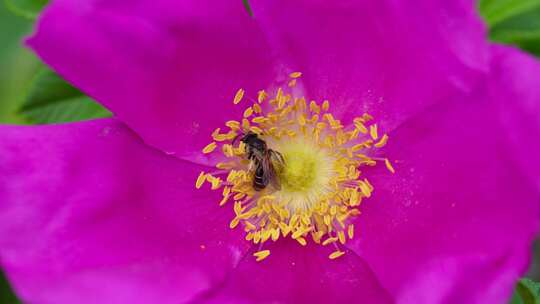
(107, 210)
(296, 169)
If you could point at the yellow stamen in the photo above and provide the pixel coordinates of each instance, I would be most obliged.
(257, 108)
(336, 254)
(261, 96)
(295, 75)
(329, 241)
(200, 180)
(325, 105)
(209, 148)
(233, 124)
(341, 237)
(261, 255)
(382, 142)
(292, 83)
(248, 112)
(318, 183)
(373, 132)
(350, 231)
(389, 165)
(238, 97)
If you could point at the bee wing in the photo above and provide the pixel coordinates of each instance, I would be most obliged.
(276, 158)
(273, 160)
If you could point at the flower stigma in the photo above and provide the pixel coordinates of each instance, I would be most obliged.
(290, 169)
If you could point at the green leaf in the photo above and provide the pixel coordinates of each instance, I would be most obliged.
(526, 292)
(522, 30)
(26, 8)
(495, 11)
(52, 100)
(6, 293)
(248, 8)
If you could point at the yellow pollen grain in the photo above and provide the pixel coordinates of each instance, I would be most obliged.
(256, 129)
(200, 180)
(295, 75)
(248, 112)
(302, 241)
(292, 83)
(224, 200)
(389, 166)
(228, 150)
(261, 96)
(238, 196)
(233, 124)
(336, 254)
(259, 120)
(215, 181)
(373, 132)
(225, 165)
(234, 223)
(250, 226)
(261, 255)
(297, 234)
(329, 241)
(361, 127)
(245, 124)
(313, 107)
(302, 120)
(257, 108)
(238, 97)
(382, 142)
(209, 148)
(341, 237)
(216, 132)
(350, 231)
(325, 105)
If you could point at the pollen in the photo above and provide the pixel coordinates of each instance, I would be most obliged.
(238, 97)
(261, 255)
(336, 254)
(209, 148)
(312, 184)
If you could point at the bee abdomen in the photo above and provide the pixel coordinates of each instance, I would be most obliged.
(258, 180)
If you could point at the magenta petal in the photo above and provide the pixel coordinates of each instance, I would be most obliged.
(456, 221)
(516, 88)
(296, 274)
(89, 214)
(164, 67)
(393, 58)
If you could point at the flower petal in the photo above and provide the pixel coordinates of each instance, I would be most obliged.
(296, 274)
(390, 58)
(161, 66)
(89, 214)
(456, 221)
(517, 90)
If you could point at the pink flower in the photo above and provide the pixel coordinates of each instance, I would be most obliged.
(107, 210)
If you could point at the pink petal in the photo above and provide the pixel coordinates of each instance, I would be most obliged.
(163, 67)
(390, 58)
(89, 214)
(296, 274)
(456, 221)
(518, 91)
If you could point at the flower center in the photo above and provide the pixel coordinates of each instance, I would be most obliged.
(304, 168)
(292, 170)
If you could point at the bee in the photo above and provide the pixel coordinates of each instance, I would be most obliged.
(263, 161)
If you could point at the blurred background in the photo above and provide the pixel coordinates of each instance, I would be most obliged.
(32, 94)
